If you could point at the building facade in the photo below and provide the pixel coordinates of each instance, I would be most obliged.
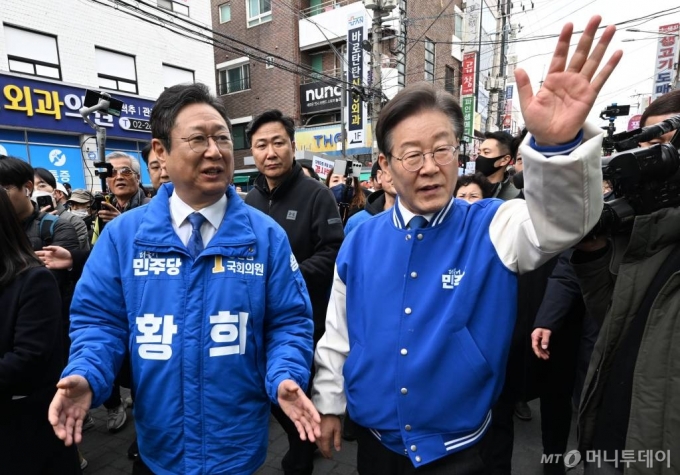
(291, 55)
(52, 52)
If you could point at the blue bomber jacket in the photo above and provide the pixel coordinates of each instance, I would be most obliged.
(419, 323)
(210, 340)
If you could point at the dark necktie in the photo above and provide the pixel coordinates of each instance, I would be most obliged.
(195, 244)
(417, 222)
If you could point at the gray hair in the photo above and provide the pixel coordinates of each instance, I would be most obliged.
(410, 101)
(134, 163)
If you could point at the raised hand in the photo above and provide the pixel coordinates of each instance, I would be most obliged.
(299, 409)
(558, 110)
(69, 407)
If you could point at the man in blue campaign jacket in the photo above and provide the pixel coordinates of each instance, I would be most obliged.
(206, 295)
(424, 296)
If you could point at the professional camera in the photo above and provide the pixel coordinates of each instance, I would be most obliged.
(644, 179)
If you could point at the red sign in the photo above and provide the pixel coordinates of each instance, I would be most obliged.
(634, 122)
(468, 77)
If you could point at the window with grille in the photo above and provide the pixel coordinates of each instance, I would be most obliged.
(234, 79)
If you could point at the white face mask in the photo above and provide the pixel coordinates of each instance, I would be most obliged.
(81, 213)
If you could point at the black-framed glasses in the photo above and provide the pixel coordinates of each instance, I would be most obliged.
(414, 161)
(122, 171)
(199, 143)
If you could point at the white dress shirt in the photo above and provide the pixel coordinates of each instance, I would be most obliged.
(408, 216)
(214, 214)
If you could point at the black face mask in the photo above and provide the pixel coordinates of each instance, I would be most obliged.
(485, 165)
(518, 180)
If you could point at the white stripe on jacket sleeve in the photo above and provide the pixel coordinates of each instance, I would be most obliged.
(331, 352)
(563, 202)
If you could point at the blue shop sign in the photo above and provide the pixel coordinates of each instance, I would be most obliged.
(18, 150)
(44, 105)
(64, 162)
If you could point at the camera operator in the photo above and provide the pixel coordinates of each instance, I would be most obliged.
(123, 184)
(630, 394)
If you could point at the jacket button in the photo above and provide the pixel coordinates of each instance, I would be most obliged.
(413, 448)
(407, 310)
(408, 237)
(414, 275)
(404, 351)
(407, 428)
(418, 459)
(420, 237)
(404, 391)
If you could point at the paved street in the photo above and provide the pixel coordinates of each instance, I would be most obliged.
(107, 453)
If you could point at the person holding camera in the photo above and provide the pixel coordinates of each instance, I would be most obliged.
(424, 297)
(306, 210)
(47, 187)
(631, 283)
(31, 355)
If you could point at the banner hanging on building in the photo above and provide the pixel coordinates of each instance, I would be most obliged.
(468, 78)
(469, 115)
(357, 76)
(665, 59)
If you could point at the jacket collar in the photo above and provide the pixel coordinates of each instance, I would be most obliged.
(235, 237)
(438, 218)
(284, 187)
(652, 232)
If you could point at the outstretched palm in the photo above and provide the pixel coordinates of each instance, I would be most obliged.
(69, 407)
(558, 110)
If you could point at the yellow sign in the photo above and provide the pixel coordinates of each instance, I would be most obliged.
(325, 139)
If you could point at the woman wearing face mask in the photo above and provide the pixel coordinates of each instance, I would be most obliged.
(350, 200)
(44, 183)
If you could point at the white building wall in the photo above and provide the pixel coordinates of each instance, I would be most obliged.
(81, 25)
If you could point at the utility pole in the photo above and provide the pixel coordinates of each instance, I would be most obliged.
(493, 80)
(401, 46)
(505, 13)
(380, 8)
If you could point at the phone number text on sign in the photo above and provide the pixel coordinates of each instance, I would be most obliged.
(140, 125)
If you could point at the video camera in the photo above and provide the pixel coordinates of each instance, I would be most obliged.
(644, 179)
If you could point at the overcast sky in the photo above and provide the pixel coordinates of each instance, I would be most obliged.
(634, 73)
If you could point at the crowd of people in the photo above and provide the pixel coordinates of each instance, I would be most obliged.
(417, 316)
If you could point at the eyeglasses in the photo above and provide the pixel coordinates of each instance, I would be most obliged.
(199, 143)
(7, 188)
(414, 161)
(124, 171)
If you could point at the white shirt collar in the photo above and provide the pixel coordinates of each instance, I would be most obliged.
(214, 213)
(408, 215)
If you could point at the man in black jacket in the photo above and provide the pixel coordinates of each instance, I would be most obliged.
(307, 211)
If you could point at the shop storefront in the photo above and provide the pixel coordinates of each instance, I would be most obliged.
(40, 123)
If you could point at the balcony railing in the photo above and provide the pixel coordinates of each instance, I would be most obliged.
(325, 6)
